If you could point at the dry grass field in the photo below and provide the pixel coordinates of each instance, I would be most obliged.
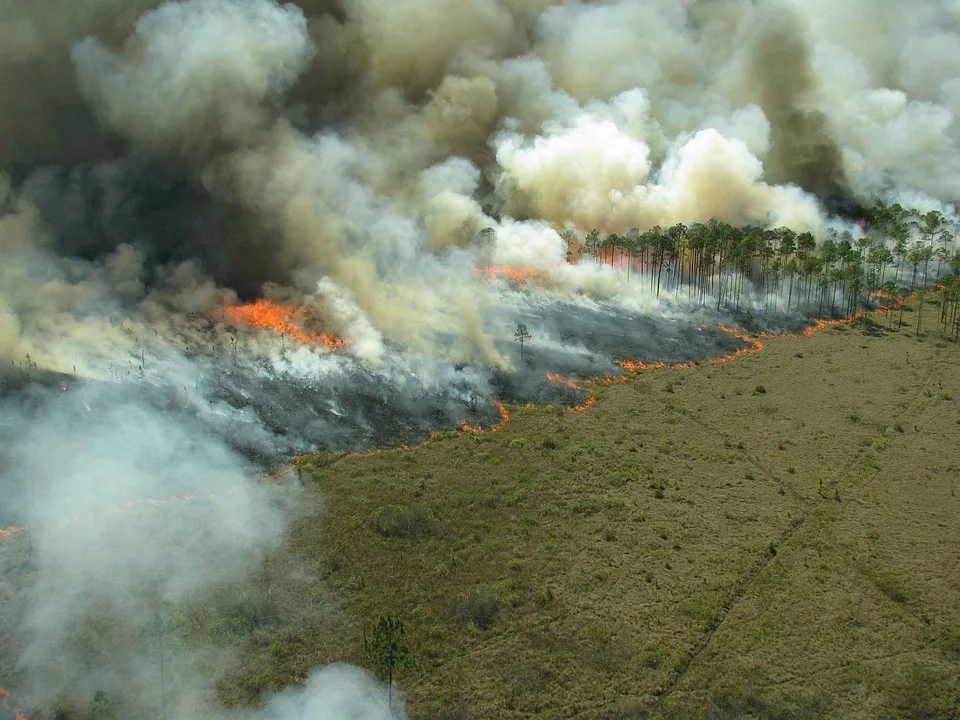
(776, 537)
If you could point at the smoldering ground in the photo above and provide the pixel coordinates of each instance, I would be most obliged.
(159, 161)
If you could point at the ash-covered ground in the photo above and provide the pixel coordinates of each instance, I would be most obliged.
(274, 399)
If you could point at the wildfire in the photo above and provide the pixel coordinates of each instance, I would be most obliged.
(130, 504)
(552, 377)
(504, 419)
(591, 398)
(281, 318)
(637, 365)
(286, 320)
(821, 324)
(4, 697)
(516, 275)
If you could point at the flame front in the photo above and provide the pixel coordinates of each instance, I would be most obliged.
(17, 713)
(286, 320)
(516, 275)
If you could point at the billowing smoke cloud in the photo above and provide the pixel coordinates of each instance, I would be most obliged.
(259, 142)
(196, 73)
(335, 693)
(359, 158)
(777, 55)
(86, 467)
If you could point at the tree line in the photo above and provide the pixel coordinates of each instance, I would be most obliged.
(899, 251)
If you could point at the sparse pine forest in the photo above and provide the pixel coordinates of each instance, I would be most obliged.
(901, 251)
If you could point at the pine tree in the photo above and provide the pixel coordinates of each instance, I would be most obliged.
(387, 650)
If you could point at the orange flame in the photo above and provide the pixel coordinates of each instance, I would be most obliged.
(552, 377)
(821, 324)
(516, 275)
(17, 713)
(286, 320)
(504, 419)
(591, 398)
(754, 345)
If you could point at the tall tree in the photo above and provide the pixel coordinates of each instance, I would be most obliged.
(387, 650)
(521, 335)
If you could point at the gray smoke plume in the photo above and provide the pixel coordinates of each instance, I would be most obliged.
(313, 142)
(778, 55)
(358, 159)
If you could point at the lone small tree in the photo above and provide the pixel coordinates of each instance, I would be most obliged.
(521, 336)
(387, 649)
(98, 706)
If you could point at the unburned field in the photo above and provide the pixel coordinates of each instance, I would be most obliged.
(773, 537)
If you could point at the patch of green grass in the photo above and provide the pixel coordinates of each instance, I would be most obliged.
(405, 521)
(479, 608)
(892, 587)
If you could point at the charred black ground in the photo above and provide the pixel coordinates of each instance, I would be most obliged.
(341, 404)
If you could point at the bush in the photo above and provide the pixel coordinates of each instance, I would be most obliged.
(759, 390)
(405, 521)
(480, 607)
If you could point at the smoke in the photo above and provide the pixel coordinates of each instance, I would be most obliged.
(259, 142)
(195, 73)
(359, 159)
(777, 55)
(337, 692)
(89, 604)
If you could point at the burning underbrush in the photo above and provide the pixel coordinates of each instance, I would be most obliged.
(306, 388)
(272, 381)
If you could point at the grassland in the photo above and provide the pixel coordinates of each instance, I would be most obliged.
(774, 537)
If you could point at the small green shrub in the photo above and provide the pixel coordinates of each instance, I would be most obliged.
(759, 390)
(480, 608)
(892, 588)
(586, 507)
(405, 521)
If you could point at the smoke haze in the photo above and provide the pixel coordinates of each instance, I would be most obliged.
(359, 158)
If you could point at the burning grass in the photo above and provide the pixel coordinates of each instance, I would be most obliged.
(286, 320)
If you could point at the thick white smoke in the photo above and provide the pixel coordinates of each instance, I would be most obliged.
(609, 115)
(337, 692)
(87, 471)
(197, 72)
(160, 159)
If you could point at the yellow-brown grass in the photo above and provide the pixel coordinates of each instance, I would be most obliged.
(690, 541)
